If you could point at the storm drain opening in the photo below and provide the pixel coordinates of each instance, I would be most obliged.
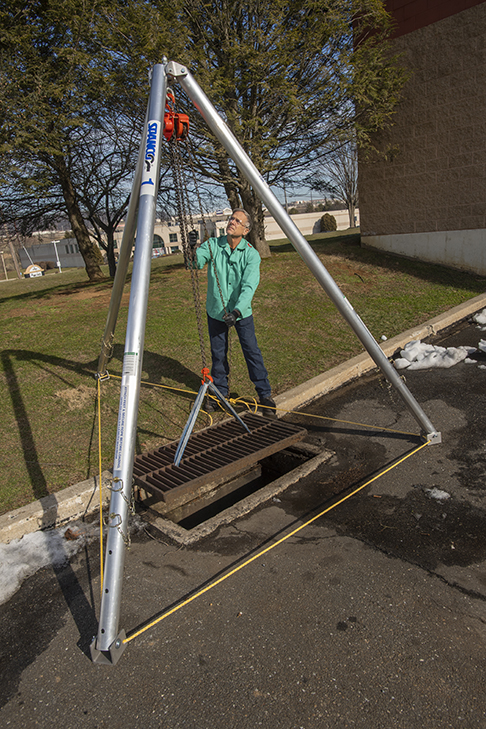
(222, 465)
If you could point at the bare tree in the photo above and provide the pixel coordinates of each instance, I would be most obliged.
(338, 177)
(66, 68)
(103, 171)
(289, 78)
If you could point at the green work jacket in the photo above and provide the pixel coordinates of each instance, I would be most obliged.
(238, 272)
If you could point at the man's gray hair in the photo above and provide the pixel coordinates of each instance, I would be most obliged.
(248, 217)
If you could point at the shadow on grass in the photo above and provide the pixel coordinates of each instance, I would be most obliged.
(348, 247)
(81, 607)
(60, 289)
(82, 611)
(50, 286)
(156, 365)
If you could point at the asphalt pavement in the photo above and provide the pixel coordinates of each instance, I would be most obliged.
(373, 615)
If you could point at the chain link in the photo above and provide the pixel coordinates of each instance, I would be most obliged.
(129, 502)
(191, 162)
(126, 537)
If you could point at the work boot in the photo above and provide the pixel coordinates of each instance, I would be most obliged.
(267, 407)
(210, 405)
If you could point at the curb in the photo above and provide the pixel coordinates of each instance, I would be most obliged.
(74, 502)
(363, 363)
(81, 499)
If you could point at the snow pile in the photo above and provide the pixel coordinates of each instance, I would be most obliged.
(480, 319)
(438, 494)
(419, 356)
(22, 557)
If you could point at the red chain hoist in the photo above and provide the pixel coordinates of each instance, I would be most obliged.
(174, 122)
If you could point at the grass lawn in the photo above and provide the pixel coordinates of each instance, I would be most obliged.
(51, 340)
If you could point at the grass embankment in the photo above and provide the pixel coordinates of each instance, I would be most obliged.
(52, 328)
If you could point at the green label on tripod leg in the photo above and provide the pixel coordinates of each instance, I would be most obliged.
(152, 146)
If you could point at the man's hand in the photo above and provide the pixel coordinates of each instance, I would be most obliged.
(231, 317)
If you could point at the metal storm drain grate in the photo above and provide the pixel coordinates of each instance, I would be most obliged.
(212, 456)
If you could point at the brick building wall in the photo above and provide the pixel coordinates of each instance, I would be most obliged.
(428, 199)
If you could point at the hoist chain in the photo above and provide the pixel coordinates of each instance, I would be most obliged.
(180, 188)
(190, 150)
(191, 162)
(183, 212)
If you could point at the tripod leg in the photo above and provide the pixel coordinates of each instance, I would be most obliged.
(214, 390)
(190, 423)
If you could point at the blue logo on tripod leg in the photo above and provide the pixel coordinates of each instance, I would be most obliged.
(150, 160)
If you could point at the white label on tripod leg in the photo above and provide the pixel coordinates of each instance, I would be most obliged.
(152, 148)
(130, 361)
(120, 433)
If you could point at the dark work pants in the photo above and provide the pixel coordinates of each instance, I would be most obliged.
(218, 337)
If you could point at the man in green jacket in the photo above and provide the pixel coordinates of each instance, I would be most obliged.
(233, 277)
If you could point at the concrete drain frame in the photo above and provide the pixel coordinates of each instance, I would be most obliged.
(197, 507)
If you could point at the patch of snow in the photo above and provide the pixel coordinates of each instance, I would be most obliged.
(22, 558)
(419, 356)
(480, 317)
(438, 494)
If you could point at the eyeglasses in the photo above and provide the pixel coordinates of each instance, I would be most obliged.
(237, 220)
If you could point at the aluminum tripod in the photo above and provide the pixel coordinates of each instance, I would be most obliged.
(109, 645)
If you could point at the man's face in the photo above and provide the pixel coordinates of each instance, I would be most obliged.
(237, 224)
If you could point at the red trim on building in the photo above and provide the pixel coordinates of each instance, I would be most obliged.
(412, 15)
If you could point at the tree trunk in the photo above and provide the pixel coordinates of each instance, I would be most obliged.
(78, 226)
(228, 182)
(14, 257)
(110, 252)
(250, 202)
(253, 204)
(351, 211)
(257, 233)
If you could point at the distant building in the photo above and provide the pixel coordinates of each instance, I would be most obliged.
(67, 249)
(167, 236)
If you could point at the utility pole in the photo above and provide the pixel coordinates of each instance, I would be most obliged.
(285, 198)
(14, 256)
(4, 267)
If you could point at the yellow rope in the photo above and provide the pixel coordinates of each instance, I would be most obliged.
(249, 405)
(267, 549)
(100, 484)
(250, 402)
